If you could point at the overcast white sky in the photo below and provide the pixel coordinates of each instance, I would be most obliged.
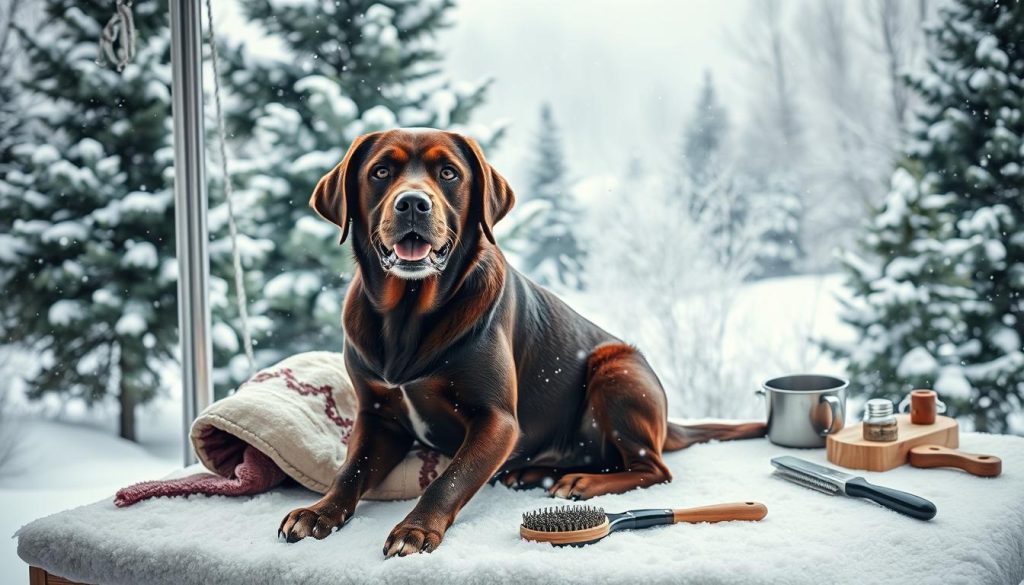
(621, 76)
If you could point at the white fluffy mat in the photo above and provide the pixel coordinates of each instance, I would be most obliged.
(808, 537)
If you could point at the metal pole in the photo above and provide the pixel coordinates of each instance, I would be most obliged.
(190, 207)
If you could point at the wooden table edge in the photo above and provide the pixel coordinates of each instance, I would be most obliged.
(37, 576)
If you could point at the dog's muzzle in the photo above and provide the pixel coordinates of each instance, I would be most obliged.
(413, 257)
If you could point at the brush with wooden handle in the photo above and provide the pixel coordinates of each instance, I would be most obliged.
(580, 525)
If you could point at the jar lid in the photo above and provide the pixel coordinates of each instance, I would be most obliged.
(879, 408)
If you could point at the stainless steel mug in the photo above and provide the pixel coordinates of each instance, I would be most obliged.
(804, 409)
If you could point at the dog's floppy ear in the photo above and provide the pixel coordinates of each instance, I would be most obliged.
(492, 197)
(334, 197)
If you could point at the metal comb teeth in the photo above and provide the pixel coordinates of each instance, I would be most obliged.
(807, 481)
(564, 518)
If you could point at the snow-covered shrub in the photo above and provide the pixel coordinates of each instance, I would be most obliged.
(725, 195)
(660, 284)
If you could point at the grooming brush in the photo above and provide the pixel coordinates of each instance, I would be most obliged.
(834, 482)
(580, 525)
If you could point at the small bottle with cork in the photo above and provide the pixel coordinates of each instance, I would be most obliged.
(880, 422)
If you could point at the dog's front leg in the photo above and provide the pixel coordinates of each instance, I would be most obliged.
(376, 446)
(490, 438)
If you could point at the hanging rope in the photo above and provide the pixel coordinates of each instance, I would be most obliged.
(236, 258)
(120, 29)
(121, 26)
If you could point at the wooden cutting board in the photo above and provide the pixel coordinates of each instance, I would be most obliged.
(849, 449)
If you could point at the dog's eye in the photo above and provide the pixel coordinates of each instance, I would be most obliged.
(449, 174)
(381, 172)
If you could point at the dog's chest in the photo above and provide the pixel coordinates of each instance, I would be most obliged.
(431, 418)
(420, 428)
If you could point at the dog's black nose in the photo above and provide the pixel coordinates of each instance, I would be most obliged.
(413, 204)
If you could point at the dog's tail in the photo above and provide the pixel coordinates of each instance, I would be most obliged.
(682, 436)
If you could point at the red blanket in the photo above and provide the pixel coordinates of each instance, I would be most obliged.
(255, 474)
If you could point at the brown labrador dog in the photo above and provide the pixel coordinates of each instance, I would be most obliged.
(448, 345)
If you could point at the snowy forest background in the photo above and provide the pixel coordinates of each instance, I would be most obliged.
(744, 190)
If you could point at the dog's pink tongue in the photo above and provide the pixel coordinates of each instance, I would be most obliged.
(412, 250)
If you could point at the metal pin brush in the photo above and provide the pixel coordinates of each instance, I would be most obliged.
(580, 525)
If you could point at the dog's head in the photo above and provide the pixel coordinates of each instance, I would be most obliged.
(413, 198)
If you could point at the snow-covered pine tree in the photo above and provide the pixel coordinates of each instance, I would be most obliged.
(714, 195)
(543, 234)
(343, 69)
(90, 248)
(776, 205)
(907, 298)
(939, 303)
(752, 217)
(704, 136)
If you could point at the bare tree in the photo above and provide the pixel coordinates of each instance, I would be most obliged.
(897, 34)
(845, 104)
(12, 14)
(764, 43)
(850, 50)
(9, 432)
(848, 93)
(889, 22)
(830, 71)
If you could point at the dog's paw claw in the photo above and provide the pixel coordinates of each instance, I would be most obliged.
(407, 539)
(530, 478)
(574, 486)
(303, 522)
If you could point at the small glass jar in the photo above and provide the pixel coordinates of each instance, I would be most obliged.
(879, 421)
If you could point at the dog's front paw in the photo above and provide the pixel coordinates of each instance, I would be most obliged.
(318, 520)
(410, 537)
(530, 477)
(577, 486)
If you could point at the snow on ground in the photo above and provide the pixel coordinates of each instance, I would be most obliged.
(69, 456)
(59, 465)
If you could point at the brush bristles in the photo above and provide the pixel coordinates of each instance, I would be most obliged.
(564, 518)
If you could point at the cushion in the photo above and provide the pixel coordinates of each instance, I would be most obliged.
(299, 412)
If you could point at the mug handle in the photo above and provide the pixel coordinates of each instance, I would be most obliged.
(904, 405)
(838, 415)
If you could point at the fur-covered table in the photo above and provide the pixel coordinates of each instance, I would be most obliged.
(808, 537)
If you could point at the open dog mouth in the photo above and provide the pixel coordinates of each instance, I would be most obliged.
(413, 253)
